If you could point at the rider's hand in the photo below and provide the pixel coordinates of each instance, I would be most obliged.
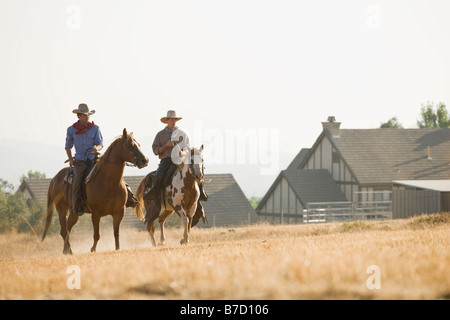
(170, 144)
(94, 149)
(182, 153)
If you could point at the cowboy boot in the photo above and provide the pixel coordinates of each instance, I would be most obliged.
(79, 207)
(154, 191)
(199, 213)
(131, 199)
(203, 195)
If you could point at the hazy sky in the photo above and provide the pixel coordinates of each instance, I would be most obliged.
(273, 68)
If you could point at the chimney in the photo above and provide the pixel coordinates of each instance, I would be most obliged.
(332, 126)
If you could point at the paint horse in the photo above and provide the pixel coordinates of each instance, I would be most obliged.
(106, 191)
(180, 196)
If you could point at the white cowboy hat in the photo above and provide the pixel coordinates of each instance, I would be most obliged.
(84, 109)
(171, 114)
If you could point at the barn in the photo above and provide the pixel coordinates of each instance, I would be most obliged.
(413, 197)
(226, 205)
(351, 171)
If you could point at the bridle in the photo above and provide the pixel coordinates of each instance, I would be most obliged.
(132, 153)
(192, 170)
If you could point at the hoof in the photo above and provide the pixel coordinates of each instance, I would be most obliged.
(184, 242)
(92, 249)
(68, 252)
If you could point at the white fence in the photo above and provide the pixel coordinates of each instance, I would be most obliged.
(368, 205)
(371, 205)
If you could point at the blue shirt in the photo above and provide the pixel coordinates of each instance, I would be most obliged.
(84, 142)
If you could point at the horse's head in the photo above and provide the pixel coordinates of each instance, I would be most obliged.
(197, 163)
(132, 152)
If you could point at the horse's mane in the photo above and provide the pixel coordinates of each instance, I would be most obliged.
(105, 157)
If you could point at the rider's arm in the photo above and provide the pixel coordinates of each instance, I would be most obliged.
(69, 156)
(69, 145)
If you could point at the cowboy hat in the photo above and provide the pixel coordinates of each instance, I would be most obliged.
(84, 109)
(171, 114)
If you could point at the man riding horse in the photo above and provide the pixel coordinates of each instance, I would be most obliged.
(162, 147)
(88, 141)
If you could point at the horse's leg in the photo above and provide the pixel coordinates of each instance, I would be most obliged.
(117, 219)
(73, 219)
(96, 225)
(151, 232)
(186, 217)
(190, 215)
(62, 208)
(166, 215)
(152, 214)
(185, 221)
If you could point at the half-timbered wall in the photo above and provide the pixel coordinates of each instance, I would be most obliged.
(325, 156)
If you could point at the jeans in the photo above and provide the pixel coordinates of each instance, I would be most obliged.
(80, 170)
(164, 165)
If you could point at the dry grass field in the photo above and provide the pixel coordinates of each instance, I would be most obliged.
(322, 261)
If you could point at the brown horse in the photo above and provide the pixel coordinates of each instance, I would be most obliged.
(181, 196)
(106, 192)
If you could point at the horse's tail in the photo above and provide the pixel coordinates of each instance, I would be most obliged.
(50, 209)
(140, 196)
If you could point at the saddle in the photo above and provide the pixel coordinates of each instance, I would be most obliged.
(167, 179)
(86, 178)
(68, 179)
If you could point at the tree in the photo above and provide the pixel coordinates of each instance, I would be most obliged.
(442, 116)
(392, 123)
(12, 206)
(33, 175)
(5, 186)
(15, 211)
(432, 117)
(254, 201)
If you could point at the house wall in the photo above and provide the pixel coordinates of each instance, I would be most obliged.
(282, 199)
(326, 157)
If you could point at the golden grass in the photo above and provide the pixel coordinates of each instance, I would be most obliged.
(323, 261)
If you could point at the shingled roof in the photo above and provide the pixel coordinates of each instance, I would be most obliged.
(295, 164)
(226, 205)
(313, 186)
(36, 189)
(382, 155)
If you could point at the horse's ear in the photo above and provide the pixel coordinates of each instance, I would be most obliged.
(125, 134)
(201, 148)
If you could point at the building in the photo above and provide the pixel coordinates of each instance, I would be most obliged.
(226, 205)
(415, 197)
(359, 165)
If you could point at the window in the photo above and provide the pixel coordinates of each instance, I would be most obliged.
(335, 157)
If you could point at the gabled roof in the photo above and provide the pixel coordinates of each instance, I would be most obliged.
(226, 201)
(378, 156)
(309, 186)
(295, 164)
(313, 186)
(37, 188)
